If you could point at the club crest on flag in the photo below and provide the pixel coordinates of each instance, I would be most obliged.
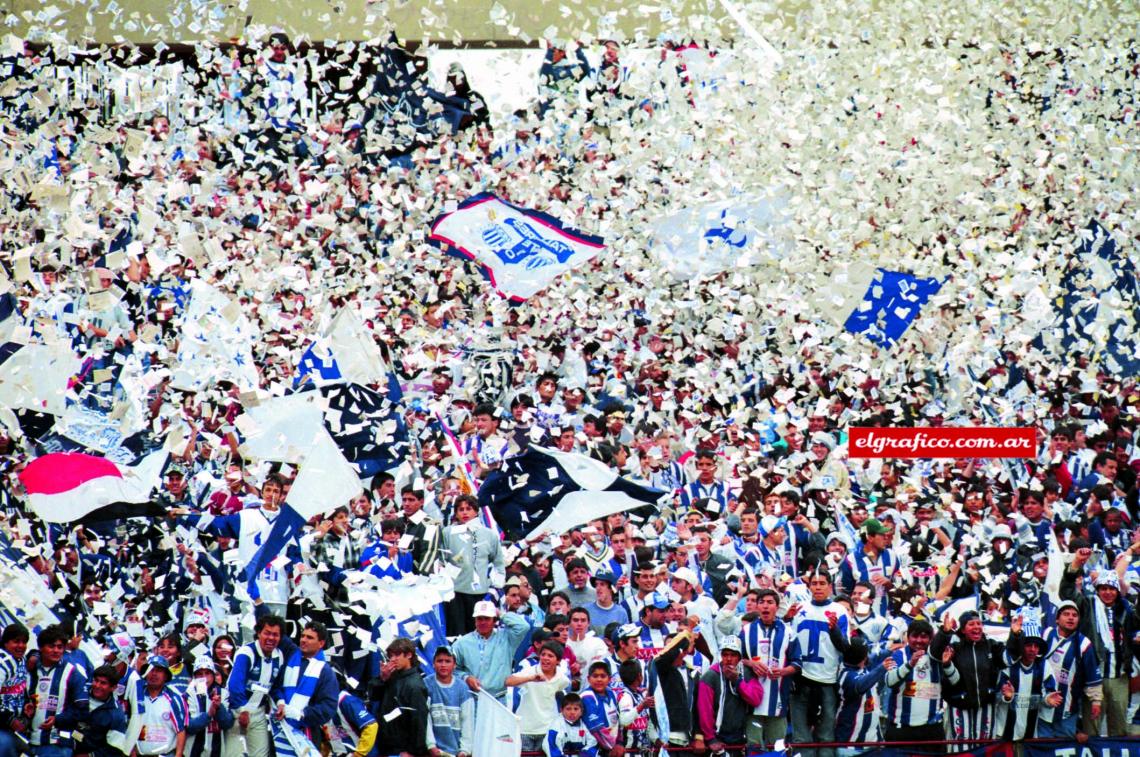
(516, 242)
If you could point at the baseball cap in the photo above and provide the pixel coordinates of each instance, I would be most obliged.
(158, 661)
(875, 527)
(688, 575)
(730, 644)
(485, 609)
(625, 631)
(605, 575)
(657, 600)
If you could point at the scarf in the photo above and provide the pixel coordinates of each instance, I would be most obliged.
(1104, 616)
(299, 686)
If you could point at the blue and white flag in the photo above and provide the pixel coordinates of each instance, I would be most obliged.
(520, 251)
(1099, 313)
(287, 528)
(890, 303)
(549, 490)
(216, 342)
(288, 741)
(705, 240)
(346, 352)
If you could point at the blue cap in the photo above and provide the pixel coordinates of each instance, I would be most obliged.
(658, 601)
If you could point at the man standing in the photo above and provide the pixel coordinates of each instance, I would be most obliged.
(1071, 661)
(306, 692)
(484, 657)
(476, 550)
(251, 528)
(821, 629)
(979, 661)
(157, 722)
(914, 696)
(58, 695)
(772, 652)
(872, 561)
(1111, 623)
(726, 698)
(402, 703)
(255, 669)
(425, 532)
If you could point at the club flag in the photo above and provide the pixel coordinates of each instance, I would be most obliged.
(496, 729)
(288, 741)
(889, 304)
(365, 425)
(1099, 309)
(216, 342)
(325, 480)
(520, 251)
(317, 365)
(68, 487)
(549, 490)
(705, 240)
(287, 527)
(345, 351)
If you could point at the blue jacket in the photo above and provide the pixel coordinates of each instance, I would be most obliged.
(101, 725)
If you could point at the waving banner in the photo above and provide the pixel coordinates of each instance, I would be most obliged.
(520, 251)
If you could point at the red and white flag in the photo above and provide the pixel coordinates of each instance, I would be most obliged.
(64, 487)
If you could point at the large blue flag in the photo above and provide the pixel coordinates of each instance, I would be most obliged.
(891, 303)
(1099, 313)
(520, 251)
(548, 490)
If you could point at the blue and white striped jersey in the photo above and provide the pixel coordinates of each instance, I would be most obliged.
(914, 694)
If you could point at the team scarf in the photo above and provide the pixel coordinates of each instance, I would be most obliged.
(297, 687)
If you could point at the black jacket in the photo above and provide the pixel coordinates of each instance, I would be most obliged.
(405, 692)
(979, 666)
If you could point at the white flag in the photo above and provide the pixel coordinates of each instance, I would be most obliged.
(496, 729)
(216, 342)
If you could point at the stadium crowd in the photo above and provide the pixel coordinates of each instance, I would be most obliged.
(782, 592)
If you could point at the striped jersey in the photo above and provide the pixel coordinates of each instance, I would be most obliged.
(858, 716)
(775, 646)
(914, 694)
(1073, 664)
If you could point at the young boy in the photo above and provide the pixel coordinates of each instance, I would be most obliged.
(402, 691)
(1027, 688)
(452, 722)
(633, 706)
(104, 726)
(601, 710)
(568, 735)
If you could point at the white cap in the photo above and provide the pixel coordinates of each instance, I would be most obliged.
(730, 644)
(485, 609)
(689, 576)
